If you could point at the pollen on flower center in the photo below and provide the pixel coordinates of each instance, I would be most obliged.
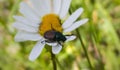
(50, 22)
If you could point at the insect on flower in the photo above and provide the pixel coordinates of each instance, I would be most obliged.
(53, 36)
(41, 22)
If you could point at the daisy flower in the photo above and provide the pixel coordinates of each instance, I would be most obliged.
(44, 21)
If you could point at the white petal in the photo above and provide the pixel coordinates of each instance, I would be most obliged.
(27, 11)
(52, 44)
(48, 6)
(70, 38)
(56, 6)
(37, 49)
(37, 6)
(64, 8)
(42, 7)
(75, 25)
(72, 18)
(56, 49)
(25, 36)
(26, 21)
(21, 26)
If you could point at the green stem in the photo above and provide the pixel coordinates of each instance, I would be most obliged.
(53, 61)
(85, 50)
(62, 68)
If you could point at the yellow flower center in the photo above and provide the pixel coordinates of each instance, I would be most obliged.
(50, 22)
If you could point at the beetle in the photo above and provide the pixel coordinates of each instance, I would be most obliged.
(53, 36)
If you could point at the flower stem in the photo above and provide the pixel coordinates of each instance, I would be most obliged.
(85, 50)
(62, 68)
(53, 61)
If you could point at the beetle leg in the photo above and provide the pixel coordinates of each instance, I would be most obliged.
(69, 35)
(43, 42)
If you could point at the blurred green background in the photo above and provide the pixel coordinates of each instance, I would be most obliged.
(101, 36)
